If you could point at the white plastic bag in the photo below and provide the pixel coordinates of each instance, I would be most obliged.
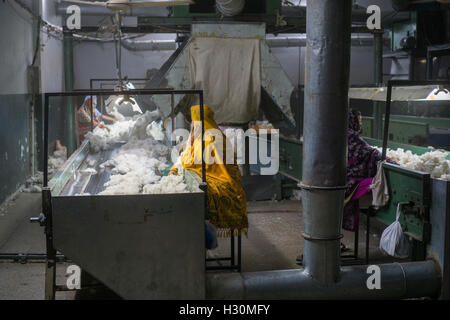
(393, 241)
(379, 186)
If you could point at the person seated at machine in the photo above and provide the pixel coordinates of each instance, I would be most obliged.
(83, 116)
(225, 194)
(362, 163)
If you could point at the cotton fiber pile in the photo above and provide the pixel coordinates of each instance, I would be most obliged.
(167, 184)
(122, 131)
(55, 162)
(433, 162)
(102, 138)
(137, 163)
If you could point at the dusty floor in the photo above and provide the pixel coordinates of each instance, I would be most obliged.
(274, 241)
(18, 235)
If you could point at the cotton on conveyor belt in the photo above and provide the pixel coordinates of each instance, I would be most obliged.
(138, 165)
(120, 131)
(433, 162)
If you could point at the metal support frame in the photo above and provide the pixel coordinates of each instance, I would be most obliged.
(367, 236)
(51, 256)
(352, 258)
(402, 83)
(93, 80)
(50, 268)
(412, 66)
(433, 52)
(68, 83)
(378, 80)
(232, 258)
(355, 257)
(30, 257)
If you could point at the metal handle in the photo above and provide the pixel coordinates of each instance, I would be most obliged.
(40, 219)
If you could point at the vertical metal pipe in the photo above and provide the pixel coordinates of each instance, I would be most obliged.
(325, 135)
(68, 82)
(378, 79)
(386, 120)
(412, 67)
(45, 175)
(429, 65)
(246, 165)
(172, 116)
(50, 267)
(202, 119)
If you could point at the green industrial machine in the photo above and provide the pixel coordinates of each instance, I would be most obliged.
(401, 130)
(291, 153)
(403, 30)
(424, 27)
(410, 188)
(270, 12)
(207, 8)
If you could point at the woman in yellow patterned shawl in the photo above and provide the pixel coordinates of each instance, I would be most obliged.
(225, 194)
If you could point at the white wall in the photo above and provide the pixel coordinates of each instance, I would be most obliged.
(52, 52)
(97, 60)
(16, 34)
(361, 64)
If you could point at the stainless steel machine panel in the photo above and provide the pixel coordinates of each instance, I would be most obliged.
(140, 246)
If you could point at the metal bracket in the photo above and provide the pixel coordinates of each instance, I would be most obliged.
(40, 219)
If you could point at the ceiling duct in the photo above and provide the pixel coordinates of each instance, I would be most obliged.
(230, 7)
(61, 9)
(300, 41)
(144, 45)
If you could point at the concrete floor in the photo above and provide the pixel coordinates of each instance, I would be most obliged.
(274, 241)
(274, 238)
(18, 235)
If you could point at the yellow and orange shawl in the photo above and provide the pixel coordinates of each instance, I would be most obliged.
(225, 194)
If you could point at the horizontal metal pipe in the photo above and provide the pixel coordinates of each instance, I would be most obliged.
(28, 256)
(273, 42)
(397, 281)
(61, 9)
(300, 41)
(148, 45)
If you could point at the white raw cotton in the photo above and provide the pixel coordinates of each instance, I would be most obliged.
(122, 131)
(138, 164)
(168, 184)
(433, 162)
(101, 138)
(55, 162)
